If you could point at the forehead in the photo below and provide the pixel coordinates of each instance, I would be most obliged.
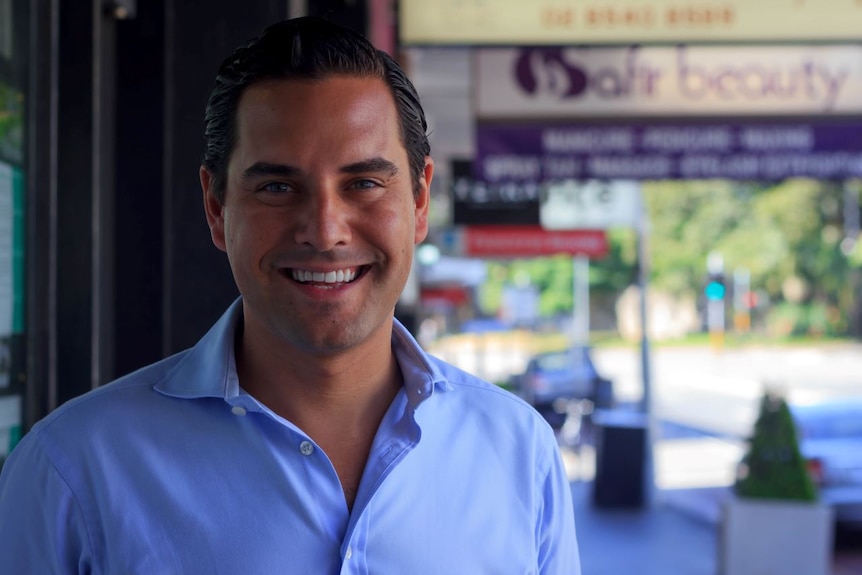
(310, 123)
(342, 102)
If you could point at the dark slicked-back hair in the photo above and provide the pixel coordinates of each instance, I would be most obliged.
(307, 49)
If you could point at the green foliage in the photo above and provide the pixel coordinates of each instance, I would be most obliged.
(781, 234)
(552, 276)
(11, 124)
(687, 221)
(816, 318)
(774, 468)
(776, 232)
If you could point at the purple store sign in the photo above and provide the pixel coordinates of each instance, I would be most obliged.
(539, 152)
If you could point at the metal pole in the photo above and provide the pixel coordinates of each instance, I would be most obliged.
(643, 281)
(580, 300)
(646, 371)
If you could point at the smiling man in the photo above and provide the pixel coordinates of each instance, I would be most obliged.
(307, 432)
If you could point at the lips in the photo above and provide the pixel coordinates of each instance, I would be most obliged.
(338, 276)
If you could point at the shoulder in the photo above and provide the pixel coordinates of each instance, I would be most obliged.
(93, 432)
(465, 383)
(496, 414)
(416, 363)
(98, 410)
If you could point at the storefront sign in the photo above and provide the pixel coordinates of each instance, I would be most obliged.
(482, 203)
(525, 241)
(543, 152)
(589, 204)
(519, 22)
(680, 80)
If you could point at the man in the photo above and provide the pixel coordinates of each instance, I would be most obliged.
(307, 432)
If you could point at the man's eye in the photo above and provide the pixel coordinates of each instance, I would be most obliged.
(276, 187)
(365, 184)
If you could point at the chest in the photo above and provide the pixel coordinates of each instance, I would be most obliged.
(417, 523)
(349, 459)
(273, 505)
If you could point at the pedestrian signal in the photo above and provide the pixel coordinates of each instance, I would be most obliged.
(715, 290)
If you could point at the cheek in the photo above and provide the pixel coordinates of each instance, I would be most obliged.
(243, 239)
(232, 237)
(396, 228)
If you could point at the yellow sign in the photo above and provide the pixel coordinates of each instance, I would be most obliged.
(534, 22)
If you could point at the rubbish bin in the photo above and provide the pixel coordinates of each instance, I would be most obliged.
(603, 393)
(621, 458)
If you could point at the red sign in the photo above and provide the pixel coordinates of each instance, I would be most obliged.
(523, 241)
(453, 296)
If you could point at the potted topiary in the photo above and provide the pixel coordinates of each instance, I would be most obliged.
(774, 524)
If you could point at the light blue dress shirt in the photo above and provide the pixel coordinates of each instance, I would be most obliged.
(174, 469)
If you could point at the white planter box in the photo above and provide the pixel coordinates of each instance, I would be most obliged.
(764, 537)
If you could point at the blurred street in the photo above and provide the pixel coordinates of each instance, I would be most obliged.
(678, 533)
(718, 391)
(706, 401)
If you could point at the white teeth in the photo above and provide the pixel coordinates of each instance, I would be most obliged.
(336, 276)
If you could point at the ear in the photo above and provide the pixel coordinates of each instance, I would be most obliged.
(214, 209)
(423, 199)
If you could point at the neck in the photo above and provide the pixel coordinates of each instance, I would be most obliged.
(347, 391)
(337, 399)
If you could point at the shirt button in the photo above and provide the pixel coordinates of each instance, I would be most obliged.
(238, 410)
(349, 553)
(306, 448)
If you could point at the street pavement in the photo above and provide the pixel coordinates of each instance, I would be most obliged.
(712, 399)
(655, 540)
(676, 533)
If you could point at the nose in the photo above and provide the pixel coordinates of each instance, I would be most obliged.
(323, 220)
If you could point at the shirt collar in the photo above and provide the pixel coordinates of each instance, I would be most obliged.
(421, 376)
(209, 368)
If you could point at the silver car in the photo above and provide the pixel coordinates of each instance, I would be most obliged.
(553, 380)
(830, 439)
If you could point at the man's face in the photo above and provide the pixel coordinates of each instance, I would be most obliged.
(319, 218)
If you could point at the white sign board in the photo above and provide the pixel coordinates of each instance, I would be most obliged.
(590, 205)
(668, 81)
(520, 22)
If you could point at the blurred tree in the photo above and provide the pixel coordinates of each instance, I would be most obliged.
(773, 467)
(786, 235)
(553, 276)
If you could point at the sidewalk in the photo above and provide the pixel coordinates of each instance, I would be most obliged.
(660, 539)
(676, 535)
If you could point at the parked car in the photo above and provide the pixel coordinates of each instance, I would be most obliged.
(830, 439)
(553, 378)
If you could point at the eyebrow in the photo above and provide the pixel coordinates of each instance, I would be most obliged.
(370, 165)
(267, 169)
(377, 164)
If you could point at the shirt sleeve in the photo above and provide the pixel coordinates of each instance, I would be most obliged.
(42, 528)
(555, 528)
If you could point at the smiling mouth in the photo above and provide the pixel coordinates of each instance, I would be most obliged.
(333, 277)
